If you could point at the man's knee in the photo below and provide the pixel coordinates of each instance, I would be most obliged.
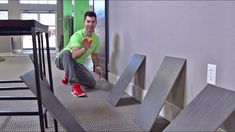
(66, 53)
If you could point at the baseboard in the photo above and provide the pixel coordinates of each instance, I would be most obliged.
(16, 51)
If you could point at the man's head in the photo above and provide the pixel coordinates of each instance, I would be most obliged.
(90, 22)
(89, 14)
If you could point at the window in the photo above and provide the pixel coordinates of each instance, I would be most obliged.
(29, 16)
(3, 15)
(38, 1)
(45, 18)
(27, 39)
(50, 20)
(4, 1)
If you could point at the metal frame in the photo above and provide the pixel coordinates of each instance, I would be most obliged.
(106, 38)
(119, 88)
(206, 112)
(163, 83)
(36, 29)
(50, 101)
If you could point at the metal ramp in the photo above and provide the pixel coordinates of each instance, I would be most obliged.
(119, 88)
(53, 105)
(156, 96)
(212, 106)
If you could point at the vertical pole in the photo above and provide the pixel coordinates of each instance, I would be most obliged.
(39, 55)
(43, 56)
(44, 71)
(50, 72)
(106, 38)
(37, 79)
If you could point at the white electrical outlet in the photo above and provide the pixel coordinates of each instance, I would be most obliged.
(211, 74)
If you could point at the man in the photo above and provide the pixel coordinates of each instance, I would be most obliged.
(82, 44)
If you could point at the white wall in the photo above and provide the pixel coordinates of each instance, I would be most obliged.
(200, 31)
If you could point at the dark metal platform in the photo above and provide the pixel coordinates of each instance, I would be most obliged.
(38, 32)
(20, 27)
(206, 112)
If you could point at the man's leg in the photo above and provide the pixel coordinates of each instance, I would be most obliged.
(65, 62)
(84, 76)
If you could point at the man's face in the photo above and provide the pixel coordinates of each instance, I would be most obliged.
(90, 24)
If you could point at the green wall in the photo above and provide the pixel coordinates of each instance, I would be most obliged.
(67, 12)
(80, 7)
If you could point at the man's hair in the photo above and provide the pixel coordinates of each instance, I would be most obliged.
(90, 14)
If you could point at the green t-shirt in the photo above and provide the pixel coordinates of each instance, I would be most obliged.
(76, 40)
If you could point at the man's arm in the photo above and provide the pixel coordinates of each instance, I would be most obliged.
(78, 52)
(95, 60)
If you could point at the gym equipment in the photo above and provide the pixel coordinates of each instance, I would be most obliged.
(53, 105)
(119, 88)
(208, 110)
(37, 31)
(156, 96)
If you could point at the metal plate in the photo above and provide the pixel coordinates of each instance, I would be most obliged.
(53, 105)
(121, 85)
(155, 98)
(206, 112)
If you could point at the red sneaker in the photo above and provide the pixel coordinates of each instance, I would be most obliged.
(77, 91)
(65, 79)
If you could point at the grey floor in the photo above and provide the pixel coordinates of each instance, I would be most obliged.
(93, 112)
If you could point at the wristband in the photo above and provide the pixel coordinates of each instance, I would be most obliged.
(98, 67)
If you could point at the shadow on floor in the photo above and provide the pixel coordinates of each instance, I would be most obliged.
(160, 124)
(127, 101)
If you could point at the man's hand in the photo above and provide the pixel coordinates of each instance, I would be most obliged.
(99, 72)
(87, 43)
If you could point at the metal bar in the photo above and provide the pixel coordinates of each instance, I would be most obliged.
(43, 56)
(39, 54)
(45, 117)
(38, 89)
(106, 38)
(11, 81)
(56, 125)
(17, 98)
(49, 62)
(44, 69)
(18, 113)
(50, 72)
(14, 88)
